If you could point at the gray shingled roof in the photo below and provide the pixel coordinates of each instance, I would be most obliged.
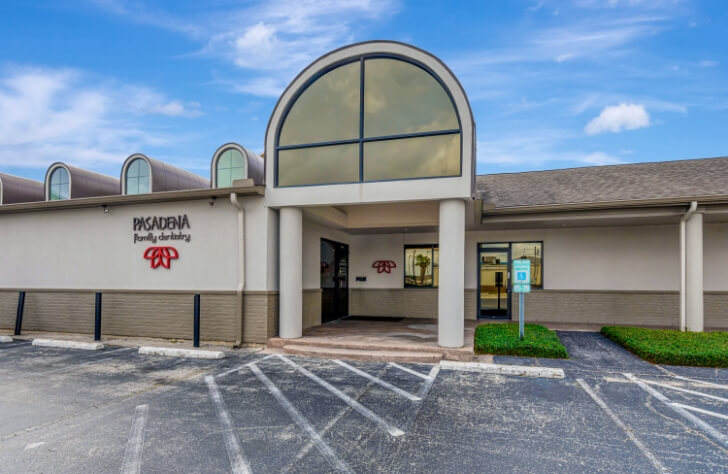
(640, 181)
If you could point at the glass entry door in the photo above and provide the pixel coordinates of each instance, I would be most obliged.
(494, 282)
(334, 280)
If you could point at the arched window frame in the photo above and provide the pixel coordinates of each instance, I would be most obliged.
(216, 159)
(125, 172)
(361, 140)
(49, 181)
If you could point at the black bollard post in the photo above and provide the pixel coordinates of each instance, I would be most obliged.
(196, 341)
(19, 315)
(97, 325)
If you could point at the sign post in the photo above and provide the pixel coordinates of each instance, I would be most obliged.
(521, 285)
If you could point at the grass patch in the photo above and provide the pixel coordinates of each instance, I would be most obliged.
(502, 339)
(666, 346)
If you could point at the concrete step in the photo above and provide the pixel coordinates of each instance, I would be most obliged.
(361, 355)
(347, 343)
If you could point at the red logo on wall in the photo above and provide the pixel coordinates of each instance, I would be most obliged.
(384, 266)
(161, 256)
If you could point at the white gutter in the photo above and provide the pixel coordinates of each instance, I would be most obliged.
(241, 268)
(683, 286)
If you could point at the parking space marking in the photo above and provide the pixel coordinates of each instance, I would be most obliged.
(132, 463)
(602, 404)
(685, 390)
(364, 411)
(697, 422)
(408, 370)
(379, 381)
(695, 381)
(428, 382)
(334, 460)
(238, 463)
(240, 367)
(700, 410)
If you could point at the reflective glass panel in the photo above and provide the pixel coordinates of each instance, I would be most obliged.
(327, 110)
(400, 97)
(494, 283)
(59, 184)
(319, 165)
(421, 266)
(419, 157)
(137, 177)
(230, 166)
(533, 252)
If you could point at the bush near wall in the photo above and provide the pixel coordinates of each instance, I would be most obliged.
(502, 339)
(666, 346)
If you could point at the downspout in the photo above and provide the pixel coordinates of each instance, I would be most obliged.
(241, 269)
(683, 283)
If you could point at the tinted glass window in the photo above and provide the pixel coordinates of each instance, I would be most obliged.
(421, 266)
(59, 186)
(400, 98)
(327, 110)
(319, 165)
(230, 166)
(418, 157)
(532, 251)
(137, 177)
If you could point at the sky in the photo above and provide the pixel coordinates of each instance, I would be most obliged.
(552, 84)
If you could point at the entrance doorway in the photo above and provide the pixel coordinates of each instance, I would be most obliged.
(494, 282)
(334, 280)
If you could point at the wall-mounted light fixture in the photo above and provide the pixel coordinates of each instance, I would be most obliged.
(106, 208)
(212, 200)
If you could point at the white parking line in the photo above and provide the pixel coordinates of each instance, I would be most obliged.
(379, 381)
(700, 410)
(685, 390)
(240, 367)
(723, 439)
(695, 381)
(428, 382)
(337, 463)
(238, 463)
(132, 463)
(602, 404)
(408, 370)
(364, 411)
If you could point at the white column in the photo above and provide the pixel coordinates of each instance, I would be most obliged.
(291, 272)
(694, 272)
(451, 291)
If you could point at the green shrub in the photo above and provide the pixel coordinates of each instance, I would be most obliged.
(502, 339)
(665, 346)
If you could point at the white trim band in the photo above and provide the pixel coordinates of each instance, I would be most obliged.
(498, 369)
(176, 352)
(6, 339)
(88, 346)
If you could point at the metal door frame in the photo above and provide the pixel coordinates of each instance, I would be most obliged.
(507, 251)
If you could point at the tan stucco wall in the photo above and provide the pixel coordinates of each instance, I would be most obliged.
(261, 316)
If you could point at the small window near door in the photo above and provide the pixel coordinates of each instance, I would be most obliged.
(422, 266)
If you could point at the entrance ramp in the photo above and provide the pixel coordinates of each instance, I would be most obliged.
(396, 340)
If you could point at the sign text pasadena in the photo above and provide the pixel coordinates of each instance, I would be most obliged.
(154, 227)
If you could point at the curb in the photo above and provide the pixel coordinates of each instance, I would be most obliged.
(6, 339)
(499, 369)
(175, 352)
(88, 346)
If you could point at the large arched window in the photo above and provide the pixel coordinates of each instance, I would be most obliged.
(137, 177)
(374, 118)
(59, 186)
(229, 167)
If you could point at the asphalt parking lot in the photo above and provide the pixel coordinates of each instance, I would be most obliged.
(114, 410)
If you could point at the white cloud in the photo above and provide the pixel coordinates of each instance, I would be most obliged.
(600, 159)
(49, 115)
(565, 57)
(616, 118)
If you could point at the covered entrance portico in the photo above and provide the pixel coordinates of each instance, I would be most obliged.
(386, 275)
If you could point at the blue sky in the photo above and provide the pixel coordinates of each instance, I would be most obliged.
(552, 84)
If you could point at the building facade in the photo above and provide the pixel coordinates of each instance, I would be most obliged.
(367, 204)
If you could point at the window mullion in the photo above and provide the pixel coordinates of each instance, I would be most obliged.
(361, 120)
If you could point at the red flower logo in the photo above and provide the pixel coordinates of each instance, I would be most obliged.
(384, 266)
(161, 256)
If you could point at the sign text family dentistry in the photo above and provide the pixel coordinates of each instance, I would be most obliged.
(152, 230)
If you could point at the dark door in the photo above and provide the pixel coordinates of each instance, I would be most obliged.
(334, 280)
(494, 279)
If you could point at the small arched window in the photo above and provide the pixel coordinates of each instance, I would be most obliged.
(59, 185)
(230, 166)
(137, 177)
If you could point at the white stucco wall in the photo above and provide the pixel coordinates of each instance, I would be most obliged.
(596, 258)
(312, 235)
(715, 257)
(89, 249)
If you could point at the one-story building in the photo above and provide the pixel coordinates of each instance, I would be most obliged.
(367, 203)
